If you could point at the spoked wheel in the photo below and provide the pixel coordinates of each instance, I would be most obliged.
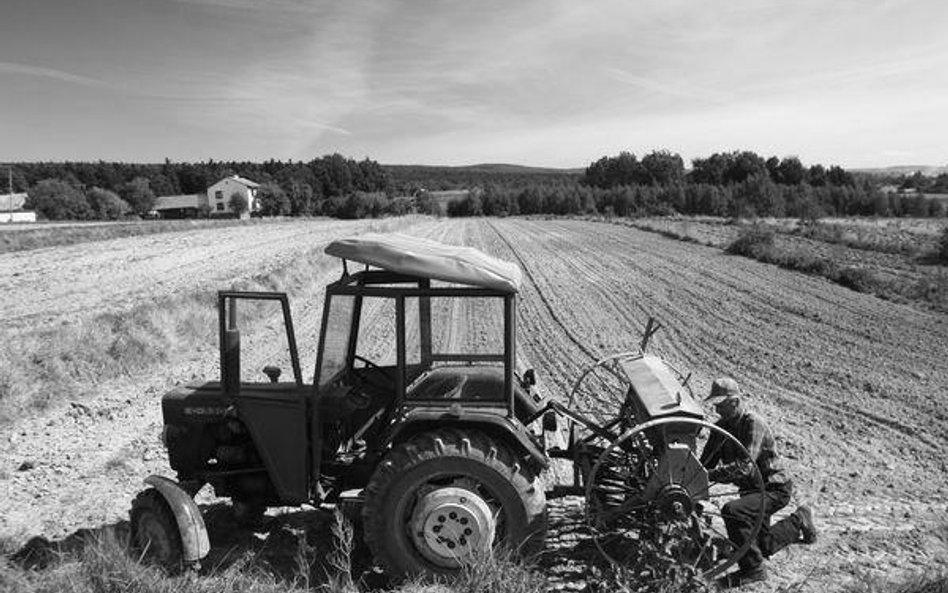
(154, 531)
(649, 500)
(601, 388)
(442, 497)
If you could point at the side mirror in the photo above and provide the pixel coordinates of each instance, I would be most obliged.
(272, 372)
(529, 379)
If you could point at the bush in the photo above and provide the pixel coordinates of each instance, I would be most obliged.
(106, 204)
(858, 279)
(55, 199)
(753, 241)
(943, 247)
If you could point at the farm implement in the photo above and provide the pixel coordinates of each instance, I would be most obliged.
(416, 413)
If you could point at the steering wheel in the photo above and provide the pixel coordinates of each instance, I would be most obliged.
(372, 365)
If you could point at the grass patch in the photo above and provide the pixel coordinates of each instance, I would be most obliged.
(54, 365)
(943, 247)
(864, 238)
(758, 242)
(57, 235)
(916, 583)
(103, 563)
(754, 241)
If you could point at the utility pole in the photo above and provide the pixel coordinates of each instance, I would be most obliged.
(9, 193)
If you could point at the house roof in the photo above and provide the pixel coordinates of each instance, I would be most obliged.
(429, 259)
(242, 181)
(179, 201)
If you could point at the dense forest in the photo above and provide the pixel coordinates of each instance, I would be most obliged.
(740, 183)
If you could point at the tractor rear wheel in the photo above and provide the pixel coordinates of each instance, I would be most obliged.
(441, 498)
(248, 513)
(154, 531)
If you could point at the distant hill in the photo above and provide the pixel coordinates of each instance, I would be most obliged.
(490, 168)
(410, 178)
(927, 170)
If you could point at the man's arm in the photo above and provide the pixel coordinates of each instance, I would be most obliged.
(751, 434)
(711, 454)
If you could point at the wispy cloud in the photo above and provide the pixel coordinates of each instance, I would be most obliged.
(50, 73)
(675, 90)
(299, 6)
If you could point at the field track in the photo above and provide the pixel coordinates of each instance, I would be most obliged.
(852, 384)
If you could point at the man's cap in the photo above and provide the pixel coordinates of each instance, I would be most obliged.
(723, 388)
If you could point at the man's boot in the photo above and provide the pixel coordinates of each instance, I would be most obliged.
(805, 521)
(742, 577)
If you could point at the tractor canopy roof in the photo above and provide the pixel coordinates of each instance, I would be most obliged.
(425, 258)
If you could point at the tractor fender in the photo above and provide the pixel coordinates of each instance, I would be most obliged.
(194, 540)
(493, 425)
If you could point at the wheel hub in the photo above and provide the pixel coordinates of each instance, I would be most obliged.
(675, 502)
(448, 524)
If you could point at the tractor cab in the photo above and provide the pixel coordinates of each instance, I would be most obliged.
(424, 335)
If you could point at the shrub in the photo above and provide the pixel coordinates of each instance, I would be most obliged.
(943, 246)
(106, 204)
(753, 241)
(57, 200)
(858, 279)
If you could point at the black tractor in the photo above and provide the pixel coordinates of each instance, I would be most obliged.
(415, 411)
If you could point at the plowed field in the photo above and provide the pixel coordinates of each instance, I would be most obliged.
(853, 385)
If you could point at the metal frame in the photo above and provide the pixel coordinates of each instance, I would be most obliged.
(367, 283)
(227, 319)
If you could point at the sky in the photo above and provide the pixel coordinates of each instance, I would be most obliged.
(858, 83)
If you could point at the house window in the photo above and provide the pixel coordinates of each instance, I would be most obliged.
(220, 207)
(219, 194)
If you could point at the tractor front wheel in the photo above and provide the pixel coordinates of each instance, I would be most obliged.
(154, 531)
(441, 498)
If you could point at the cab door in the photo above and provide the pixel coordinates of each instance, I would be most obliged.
(273, 410)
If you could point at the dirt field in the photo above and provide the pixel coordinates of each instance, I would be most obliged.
(852, 384)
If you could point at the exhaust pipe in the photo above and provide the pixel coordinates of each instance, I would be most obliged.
(230, 351)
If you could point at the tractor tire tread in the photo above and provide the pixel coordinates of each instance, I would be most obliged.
(150, 500)
(452, 443)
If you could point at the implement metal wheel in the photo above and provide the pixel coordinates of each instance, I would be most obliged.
(601, 388)
(647, 496)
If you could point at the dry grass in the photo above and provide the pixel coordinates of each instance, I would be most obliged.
(105, 565)
(52, 366)
(56, 235)
(49, 367)
(916, 583)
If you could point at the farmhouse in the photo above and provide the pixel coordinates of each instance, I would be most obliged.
(215, 201)
(11, 209)
(219, 194)
(181, 206)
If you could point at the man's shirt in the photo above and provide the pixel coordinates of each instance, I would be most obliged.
(728, 464)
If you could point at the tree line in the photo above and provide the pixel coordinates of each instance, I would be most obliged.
(102, 190)
(734, 184)
(739, 183)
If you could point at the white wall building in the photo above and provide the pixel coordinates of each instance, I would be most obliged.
(11, 209)
(218, 195)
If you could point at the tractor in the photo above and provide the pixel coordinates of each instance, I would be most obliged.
(416, 413)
